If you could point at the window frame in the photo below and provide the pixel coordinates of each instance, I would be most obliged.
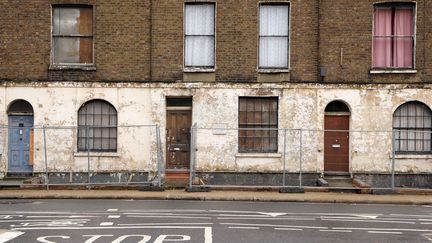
(398, 130)
(200, 68)
(250, 127)
(82, 66)
(87, 127)
(274, 69)
(394, 5)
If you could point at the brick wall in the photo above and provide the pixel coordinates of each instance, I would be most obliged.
(142, 40)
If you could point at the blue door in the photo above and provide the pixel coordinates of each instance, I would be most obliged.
(19, 144)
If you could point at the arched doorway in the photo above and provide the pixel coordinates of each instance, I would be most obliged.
(20, 139)
(336, 137)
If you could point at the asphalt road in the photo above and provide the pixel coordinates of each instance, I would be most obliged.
(122, 221)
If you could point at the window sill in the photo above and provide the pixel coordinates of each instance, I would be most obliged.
(73, 67)
(198, 70)
(273, 70)
(258, 155)
(413, 156)
(396, 71)
(96, 154)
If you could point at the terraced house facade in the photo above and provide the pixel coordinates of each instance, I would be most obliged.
(90, 85)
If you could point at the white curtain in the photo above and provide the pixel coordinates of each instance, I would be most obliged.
(199, 35)
(274, 31)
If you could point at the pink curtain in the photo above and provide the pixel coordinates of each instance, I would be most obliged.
(396, 51)
(403, 45)
(382, 42)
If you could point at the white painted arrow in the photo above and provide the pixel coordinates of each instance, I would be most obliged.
(273, 214)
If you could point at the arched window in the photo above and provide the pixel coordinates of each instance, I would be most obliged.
(97, 127)
(412, 123)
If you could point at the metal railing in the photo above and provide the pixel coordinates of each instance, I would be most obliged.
(131, 156)
(301, 158)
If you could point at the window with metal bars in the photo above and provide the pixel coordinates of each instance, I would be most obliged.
(97, 127)
(72, 34)
(258, 124)
(412, 124)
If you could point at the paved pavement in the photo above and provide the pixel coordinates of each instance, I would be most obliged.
(221, 195)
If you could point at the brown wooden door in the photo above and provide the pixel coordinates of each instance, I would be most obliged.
(178, 139)
(336, 144)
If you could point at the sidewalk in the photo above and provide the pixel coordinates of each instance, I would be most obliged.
(215, 195)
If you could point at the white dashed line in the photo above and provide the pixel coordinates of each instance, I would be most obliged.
(112, 210)
(252, 228)
(385, 232)
(113, 216)
(340, 231)
(106, 223)
(288, 229)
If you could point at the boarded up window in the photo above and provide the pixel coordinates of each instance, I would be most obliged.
(97, 127)
(72, 34)
(412, 123)
(258, 124)
(199, 35)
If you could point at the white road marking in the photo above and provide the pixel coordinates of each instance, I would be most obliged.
(112, 210)
(208, 235)
(260, 218)
(369, 221)
(113, 216)
(273, 214)
(426, 223)
(411, 215)
(60, 216)
(172, 224)
(278, 226)
(9, 235)
(427, 236)
(385, 229)
(106, 223)
(241, 227)
(385, 232)
(341, 231)
(110, 227)
(288, 229)
(167, 216)
(44, 220)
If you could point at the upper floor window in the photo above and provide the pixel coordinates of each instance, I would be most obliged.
(72, 34)
(393, 36)
(97, 127)
(412, 123)
(274, 36)
(199, 39)
(258, 124)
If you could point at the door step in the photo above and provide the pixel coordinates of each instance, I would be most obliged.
(176, 179)
(339, 182)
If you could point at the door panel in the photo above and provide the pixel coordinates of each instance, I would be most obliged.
(336, 143)
(178, 139)
(19, 144)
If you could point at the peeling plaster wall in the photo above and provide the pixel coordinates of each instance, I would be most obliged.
(216, 106)
(57, 108)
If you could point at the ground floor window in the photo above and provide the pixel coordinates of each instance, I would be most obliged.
(412, 125)
(258, 124)
(97, 127)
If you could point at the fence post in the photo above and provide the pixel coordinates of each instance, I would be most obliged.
(284, 161)
(45, 159)
(192, 155)
(88, 156)
(393, 160)
(159, 155)
(301, 157)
